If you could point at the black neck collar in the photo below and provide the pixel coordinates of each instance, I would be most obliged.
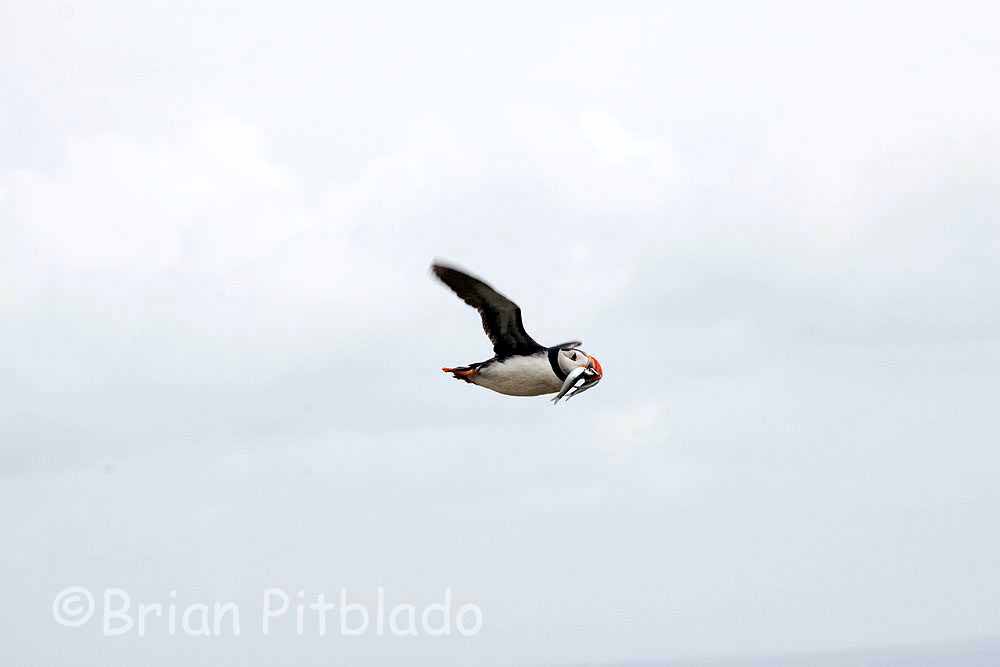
(554, 362)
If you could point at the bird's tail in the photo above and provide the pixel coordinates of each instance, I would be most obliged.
(462, 372)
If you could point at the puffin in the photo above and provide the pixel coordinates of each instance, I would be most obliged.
(519, 366)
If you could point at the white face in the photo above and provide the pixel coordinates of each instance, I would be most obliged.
(573, 358)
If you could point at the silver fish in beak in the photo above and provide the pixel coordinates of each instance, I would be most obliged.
(578, 381)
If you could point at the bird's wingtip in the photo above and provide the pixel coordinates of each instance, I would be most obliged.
(439, 265)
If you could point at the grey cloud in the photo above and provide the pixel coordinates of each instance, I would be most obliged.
(775, 228)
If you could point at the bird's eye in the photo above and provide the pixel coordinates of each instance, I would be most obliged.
(572, 356)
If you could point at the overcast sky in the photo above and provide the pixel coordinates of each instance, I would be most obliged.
(775, 225)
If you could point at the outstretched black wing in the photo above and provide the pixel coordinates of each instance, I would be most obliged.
(501, 316)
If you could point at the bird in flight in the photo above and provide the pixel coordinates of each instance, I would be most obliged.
(519, 366)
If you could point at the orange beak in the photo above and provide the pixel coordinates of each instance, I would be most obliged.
(596, 365)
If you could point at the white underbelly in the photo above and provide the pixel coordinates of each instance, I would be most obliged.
(520, 376)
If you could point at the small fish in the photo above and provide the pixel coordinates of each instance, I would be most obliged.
(568, 383)
(588, 384)
(587, 375)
